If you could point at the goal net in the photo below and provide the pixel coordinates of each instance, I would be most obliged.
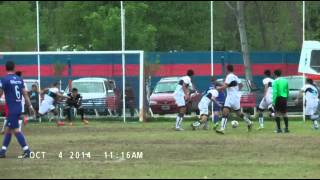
(111, 82)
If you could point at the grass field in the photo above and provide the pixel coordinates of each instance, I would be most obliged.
(166, 153)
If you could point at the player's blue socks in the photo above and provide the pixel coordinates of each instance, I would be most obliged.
(6, 141)
(215, 119)
(22, 141)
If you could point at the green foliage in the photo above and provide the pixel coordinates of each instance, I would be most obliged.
(17, 26)
(154, 26)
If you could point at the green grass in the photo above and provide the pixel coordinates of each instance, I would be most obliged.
(166, 153)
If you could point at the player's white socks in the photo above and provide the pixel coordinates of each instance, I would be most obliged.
(178, 122)
(223, 123)
(20, 125)
(261, 122)
(247, 120)
(25, 148)
(4, 124)
(315, 122)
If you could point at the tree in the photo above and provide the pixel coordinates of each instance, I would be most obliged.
(155, 26)
(238, 12)
(17, 26)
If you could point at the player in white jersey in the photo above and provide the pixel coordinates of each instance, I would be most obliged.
(233, 85)
(266, 102)
(207, 98)
(181, 96)
(312, 102)
(50, 94)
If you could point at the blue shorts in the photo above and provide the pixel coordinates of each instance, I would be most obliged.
(13, 121)
(216, 107)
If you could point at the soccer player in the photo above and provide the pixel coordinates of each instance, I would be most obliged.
(181, 95)
(312, 101)
(34, 97)
(18, 73)
(218, 104)
(280, 96)
(266, 102)
(233, 85)
(210, 96)
(13, 88)
(46, 105)
(74, 101)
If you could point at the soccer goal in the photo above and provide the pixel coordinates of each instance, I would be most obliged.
(111, 82)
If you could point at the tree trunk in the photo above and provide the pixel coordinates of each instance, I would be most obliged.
(243, 39)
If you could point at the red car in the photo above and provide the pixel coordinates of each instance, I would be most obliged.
(162, 101)
(3, 111)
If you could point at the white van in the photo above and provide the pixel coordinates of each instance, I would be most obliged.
(310, 58)
(94, 92)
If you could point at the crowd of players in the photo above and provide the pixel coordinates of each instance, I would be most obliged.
(276, 94)
(16, 97)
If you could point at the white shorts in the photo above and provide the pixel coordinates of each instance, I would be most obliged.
(233, 102)
(45, 107)
(180, 101)
(204, 110)
(266, 103)
(311, 109)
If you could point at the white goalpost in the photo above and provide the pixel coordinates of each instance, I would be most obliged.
(303, 39)
(122, 53)
(211, 50)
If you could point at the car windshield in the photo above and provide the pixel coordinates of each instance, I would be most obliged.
(89, 87)
(29, 85)
(295, 83)
(165, 87)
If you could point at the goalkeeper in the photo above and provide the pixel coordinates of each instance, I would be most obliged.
(74, 102)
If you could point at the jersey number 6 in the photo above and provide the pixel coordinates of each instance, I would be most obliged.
(18, 94)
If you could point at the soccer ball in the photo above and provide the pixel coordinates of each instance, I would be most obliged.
(234, 123)
(195, 125)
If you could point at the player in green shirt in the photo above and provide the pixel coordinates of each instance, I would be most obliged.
(280, 89)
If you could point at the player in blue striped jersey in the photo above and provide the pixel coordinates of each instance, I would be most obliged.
(13, 88)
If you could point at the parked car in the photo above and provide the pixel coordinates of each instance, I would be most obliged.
(250, 95)
(162, 100)
(96, 92)
(295, 85)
